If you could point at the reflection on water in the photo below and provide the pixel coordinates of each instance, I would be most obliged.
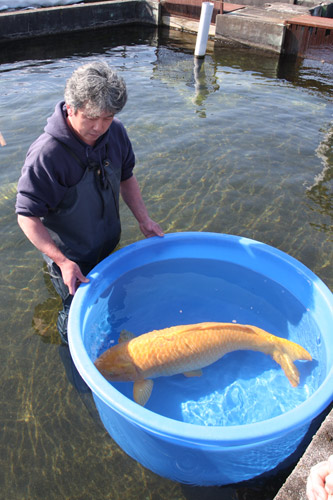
(240, 143)
(321, 192)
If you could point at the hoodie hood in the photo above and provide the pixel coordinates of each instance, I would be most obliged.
(59, 129)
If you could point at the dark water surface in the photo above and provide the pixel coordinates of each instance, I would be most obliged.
(241, 144)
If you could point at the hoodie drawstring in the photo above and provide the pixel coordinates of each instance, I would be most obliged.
(102, 181)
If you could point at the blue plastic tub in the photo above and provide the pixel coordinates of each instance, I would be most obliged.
(206, 431)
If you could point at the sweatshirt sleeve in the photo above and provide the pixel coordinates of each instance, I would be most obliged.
(39, 188)
(129, 162)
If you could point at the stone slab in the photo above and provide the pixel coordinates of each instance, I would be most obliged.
(320, 448)
(263, 33)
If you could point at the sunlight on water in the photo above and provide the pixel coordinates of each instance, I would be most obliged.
(245, 401)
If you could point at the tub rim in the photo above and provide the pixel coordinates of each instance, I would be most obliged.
(174, 430)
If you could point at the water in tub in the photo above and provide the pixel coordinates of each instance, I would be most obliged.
(244, 386)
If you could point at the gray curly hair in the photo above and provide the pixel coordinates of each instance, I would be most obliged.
(97, 88)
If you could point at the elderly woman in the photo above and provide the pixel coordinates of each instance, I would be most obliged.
(68, 192)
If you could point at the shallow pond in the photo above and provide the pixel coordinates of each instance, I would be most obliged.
(240, 144)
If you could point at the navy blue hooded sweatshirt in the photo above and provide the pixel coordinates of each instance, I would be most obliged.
(74, 187)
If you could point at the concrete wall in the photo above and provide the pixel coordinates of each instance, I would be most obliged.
(253, 31)
(45, 21)
(319, 450)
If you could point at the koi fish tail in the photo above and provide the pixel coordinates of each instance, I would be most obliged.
(285, 353)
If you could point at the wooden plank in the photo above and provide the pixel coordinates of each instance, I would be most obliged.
(313, 21)
(186, 24)
(227, 7)
(192, 8)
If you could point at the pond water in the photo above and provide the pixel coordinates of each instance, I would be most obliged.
(240, 144)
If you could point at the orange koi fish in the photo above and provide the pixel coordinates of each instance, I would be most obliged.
(188, 348)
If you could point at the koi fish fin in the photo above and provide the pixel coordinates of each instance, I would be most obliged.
(288, 367)
(125, 336)
(285, 353)
(142, 391)
(193, 373)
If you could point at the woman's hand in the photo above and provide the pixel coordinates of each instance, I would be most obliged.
(320, 481)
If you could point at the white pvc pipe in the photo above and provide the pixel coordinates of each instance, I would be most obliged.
(204, 24)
